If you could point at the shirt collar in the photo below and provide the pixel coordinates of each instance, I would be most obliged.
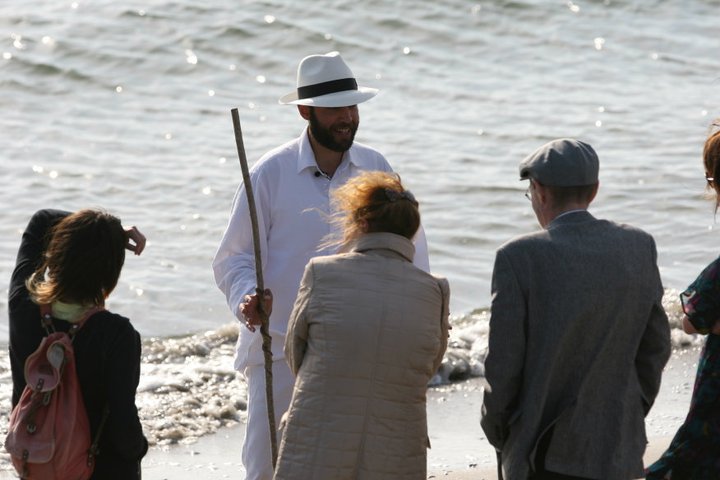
(306, 156)
(386, 241)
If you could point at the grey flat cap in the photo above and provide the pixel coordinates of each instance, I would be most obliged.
(562, 163)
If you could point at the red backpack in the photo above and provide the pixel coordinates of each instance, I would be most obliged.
(49, 433)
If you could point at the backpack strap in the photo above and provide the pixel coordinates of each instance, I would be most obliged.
(79, 324)
(46, 319)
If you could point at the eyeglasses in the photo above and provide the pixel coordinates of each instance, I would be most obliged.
(528, 192)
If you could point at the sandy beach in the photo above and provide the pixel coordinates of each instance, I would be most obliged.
(459, 448)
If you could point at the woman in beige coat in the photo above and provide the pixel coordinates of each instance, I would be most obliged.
(368, 331)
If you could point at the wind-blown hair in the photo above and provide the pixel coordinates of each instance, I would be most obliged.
(374, 202)
(83, 260)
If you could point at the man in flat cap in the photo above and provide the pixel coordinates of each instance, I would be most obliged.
(292, 186)
(578, 335)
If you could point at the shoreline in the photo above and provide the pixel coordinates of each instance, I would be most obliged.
(459, 448)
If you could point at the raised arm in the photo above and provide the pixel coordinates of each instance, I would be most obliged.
(24, 335)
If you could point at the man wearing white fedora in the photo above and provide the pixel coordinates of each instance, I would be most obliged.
(292, 185)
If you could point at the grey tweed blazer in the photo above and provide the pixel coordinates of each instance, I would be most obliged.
(578, 340)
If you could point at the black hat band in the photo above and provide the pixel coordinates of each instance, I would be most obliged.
(325, 88)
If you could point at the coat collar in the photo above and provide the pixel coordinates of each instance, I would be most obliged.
(386, 241)
(578, 216)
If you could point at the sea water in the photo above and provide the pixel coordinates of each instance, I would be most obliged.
(126, 105)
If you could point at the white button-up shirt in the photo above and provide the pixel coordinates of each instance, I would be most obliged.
(292, 206)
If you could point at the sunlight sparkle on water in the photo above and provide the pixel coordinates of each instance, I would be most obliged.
(7, 55)
(119, 89)
(168, 136)
(190, 57)
(406, 50)
(598, 123)
(573, 8)
(222, 160)
(260, 78)
(207, 190)
(232, 67)
(74, 5)
(46, 40)
(53, 174)
(328, 36)
(599, 43)
(601, 109)
(211, 93)
(38, 169)
(269, 19)
(17, 42)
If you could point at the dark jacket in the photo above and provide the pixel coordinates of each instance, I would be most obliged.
(577, 344)
(107, 352)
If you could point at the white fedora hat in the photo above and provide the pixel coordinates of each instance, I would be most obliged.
(326, 81)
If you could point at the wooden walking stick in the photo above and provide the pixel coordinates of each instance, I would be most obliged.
(260, 289)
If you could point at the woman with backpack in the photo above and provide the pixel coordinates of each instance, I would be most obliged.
(67, 265)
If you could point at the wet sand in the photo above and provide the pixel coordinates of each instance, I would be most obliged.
(459, 448)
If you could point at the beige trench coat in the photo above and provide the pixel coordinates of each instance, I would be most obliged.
(368, 331)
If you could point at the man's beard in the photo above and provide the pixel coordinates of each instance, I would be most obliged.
(324, 136)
